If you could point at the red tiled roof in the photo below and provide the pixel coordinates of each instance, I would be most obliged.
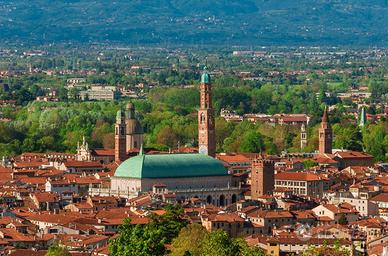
(76, 164)
(83, 205)
(270, 214)
(29, 164)
(304, 214)
(342, 208)
(235, 158)
(383, 197)
(16, 236)
(46, 197)
(87, 180)
(104, 152)
(290, 240)
(33, 180)
(322, 159)
(5, 177)
(61, 218)
(5, 170)
(226, 217)
(352, 154)
(24, 252)
(300, 176)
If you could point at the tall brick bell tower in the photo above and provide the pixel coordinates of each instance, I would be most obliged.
(206, 131)
(325, 135)
(120, 138)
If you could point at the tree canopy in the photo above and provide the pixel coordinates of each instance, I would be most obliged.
(149, 239)
(194, 240)
(57, 250)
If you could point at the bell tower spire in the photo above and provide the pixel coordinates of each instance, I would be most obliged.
(206, 126)
(325, 134)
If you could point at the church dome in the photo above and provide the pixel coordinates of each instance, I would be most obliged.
(170, 166)
(133, 126)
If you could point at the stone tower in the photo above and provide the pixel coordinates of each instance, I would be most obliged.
(206, 133)
(325, 135)
(120, 138)
(134, 131)
(303, 136)
(262, 177)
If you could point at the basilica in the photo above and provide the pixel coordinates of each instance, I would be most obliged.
(185, 176)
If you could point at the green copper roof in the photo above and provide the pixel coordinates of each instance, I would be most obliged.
(170, 166)
(205, 78)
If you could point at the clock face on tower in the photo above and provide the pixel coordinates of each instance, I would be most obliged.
(203, 150)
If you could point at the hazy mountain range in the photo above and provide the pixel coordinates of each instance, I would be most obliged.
(203, 22)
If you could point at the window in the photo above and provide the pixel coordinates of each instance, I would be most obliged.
(202, 118)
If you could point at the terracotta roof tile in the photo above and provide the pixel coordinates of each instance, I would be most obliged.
(80, 164)
(300, 176)
(383, 197)
(352, 154)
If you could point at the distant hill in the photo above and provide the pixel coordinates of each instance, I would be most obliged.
(225, 22)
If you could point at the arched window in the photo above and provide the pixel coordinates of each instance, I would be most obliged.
(222, 200)
(203, 118)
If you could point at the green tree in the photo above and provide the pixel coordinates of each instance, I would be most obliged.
(309, 163)
(150, 239)
(252, 142)
(57, 250)
(375, 140)
(167, 136)
(325, 250)
(347, 137)
(245, 250)
(220, 244)
(189, 241)
(343, 220)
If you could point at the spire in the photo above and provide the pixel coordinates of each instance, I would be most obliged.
(325, 116)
